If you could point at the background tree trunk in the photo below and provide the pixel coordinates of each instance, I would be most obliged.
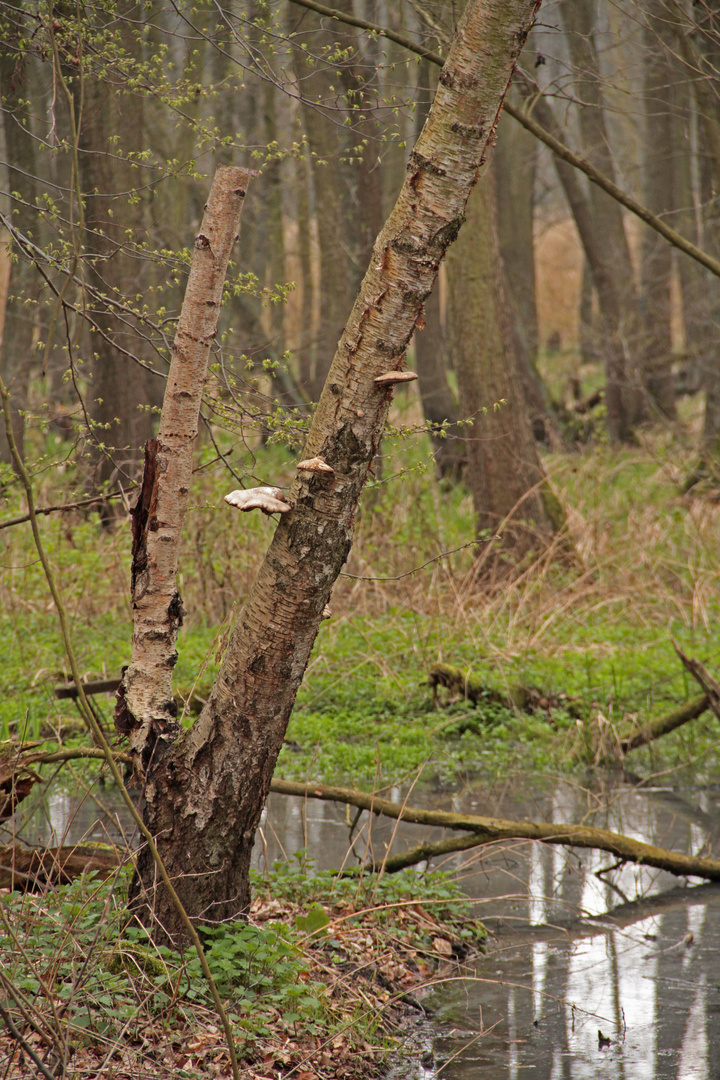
(622, 333)
(20, 313)
(323, 140)
(205, 792)
(431, 352)
(657, 255)
(120, 393)
(505, 473)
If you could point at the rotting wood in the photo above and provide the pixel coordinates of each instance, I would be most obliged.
(30, 868)
(488, 830)
(469, 686)
(146, 709)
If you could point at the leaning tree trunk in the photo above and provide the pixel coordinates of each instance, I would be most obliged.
(506, 477)
(205, 791)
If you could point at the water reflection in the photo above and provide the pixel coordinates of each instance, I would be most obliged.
(583, 979)
(601, 983)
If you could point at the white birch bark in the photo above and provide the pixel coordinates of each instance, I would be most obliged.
(145, 708)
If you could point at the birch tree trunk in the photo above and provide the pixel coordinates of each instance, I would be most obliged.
(145, 708)
(205, 791)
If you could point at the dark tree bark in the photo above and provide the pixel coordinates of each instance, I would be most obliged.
(515, 164)
(205, 791)
(431, 352)
(120, 392)
(323, 138)
(623, 397)
(657, 256)
(505, 473)
(17, 335)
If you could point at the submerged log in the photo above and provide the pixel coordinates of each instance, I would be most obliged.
(488, 830)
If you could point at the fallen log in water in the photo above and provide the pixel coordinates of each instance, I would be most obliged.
(663, 725)
(489, 830)
(483, 830)
(31, 868)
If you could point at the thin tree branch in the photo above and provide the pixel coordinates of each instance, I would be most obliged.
(558, 148)
(709, 686)
(65, 506)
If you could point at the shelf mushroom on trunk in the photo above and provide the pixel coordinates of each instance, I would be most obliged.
(268, 499)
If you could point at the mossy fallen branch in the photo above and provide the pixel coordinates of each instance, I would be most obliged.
(464, 683)
(491, 830)
(27, 868)
(663, 725)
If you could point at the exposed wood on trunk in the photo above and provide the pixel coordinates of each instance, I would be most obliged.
(146, 709)
(490, 830)
(205, 792)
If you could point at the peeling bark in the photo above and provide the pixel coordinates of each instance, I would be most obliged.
(145, 707)
(205, 792)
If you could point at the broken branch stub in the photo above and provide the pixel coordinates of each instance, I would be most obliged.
(145, 708)
(268, 499)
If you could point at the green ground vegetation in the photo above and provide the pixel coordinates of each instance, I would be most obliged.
(322, 972)
(590, 635)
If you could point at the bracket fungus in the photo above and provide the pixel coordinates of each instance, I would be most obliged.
(389, 378)
(268, 499)
(315, 464)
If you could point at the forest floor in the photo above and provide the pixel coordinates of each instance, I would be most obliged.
(573, 649)
(316, 984)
